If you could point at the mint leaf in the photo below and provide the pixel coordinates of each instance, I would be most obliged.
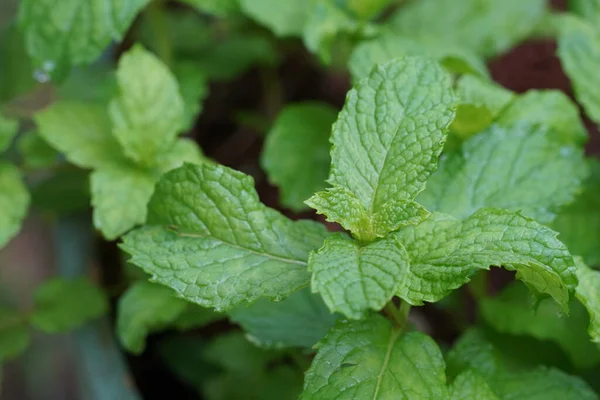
(353, 278)
(194, 89)
(296, 154)
(35, 151)
(471, 385)
(518, 168)
(16, 71)
(445, 252)
(487, 27)
(389, 135)
(220, 8)
(144, 308)
(588, 293)
(579, 52)
(389, 46)
(551, 108)
(512, 312)
(579, 222)
(183, 150)
(588, 9)
(14, 201)
(473, 351)
(14, 334)
(148, 112)
(81, 131)
(120, 196)
(283, 18)
(8, 130)
(61, 305)
(371, 360)
(215, 244)
(58, 33)
(301, 320)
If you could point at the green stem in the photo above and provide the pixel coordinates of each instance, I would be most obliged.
(399, 315)
(155, 14)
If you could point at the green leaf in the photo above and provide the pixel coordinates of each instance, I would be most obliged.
(183, 151)
(8, 130)
(579, 222)
(471, 385)
(14, 201)
(473, 351)
(487, 27)
(588, 9)
(283, 18)
(296, 154)
(220, 8)
(61, 305)
(120, 197)
(61, 33)
(14, 334)
(195, 316)
(445, 252)
(301, 320)
(389, 46)
(35, 151)
(148, 112)
(353, 278)
(16, 72)
(521, 167)
(145, 308)
(372, 360)
(588, 293)
(551, 108)
(80, 131)
(49, 194)
(77, 86)
(215, 244)
(388, 136)
(194, 89)
(579, 52)
(512, 312)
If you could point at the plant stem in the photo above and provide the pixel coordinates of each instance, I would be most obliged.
(399, 315)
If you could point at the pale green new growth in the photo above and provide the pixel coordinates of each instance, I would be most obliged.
(14, 201)
(470, 385)
(579, 51)
(215, 244)
(387, 138)
(144, 308)
(61, 305)
(373, 360)
(284, 18)
(352, 278)
(588, 293)
(14, 334)
(300, 320)
(296, 152)
(120, 196)
(389, 46)
(520, 167)
(445, 252)
(68, 32)
(8, 130)
(148, 112)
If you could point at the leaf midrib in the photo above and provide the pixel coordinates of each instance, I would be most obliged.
(388, 353)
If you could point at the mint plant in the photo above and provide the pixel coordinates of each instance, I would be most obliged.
(319, 199)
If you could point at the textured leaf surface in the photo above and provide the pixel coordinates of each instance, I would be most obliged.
(588, 293)
(517, 168)
(444, 253)
(81, 131)
(389, 46)
(371, 360)
(35, 151)
(70, 32)
(8, 130)
(216, 245)
(487, 27)
(283, 18)
(579, 222)
(120, 198)
(579, 52)
(144, 308)
(148, 112)
(61, 305)
(296, 154)
(471, 385)
(14, 335)
(513, 312)
(389, 135)
(352, 278)
(300, 320)
(14, 202)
